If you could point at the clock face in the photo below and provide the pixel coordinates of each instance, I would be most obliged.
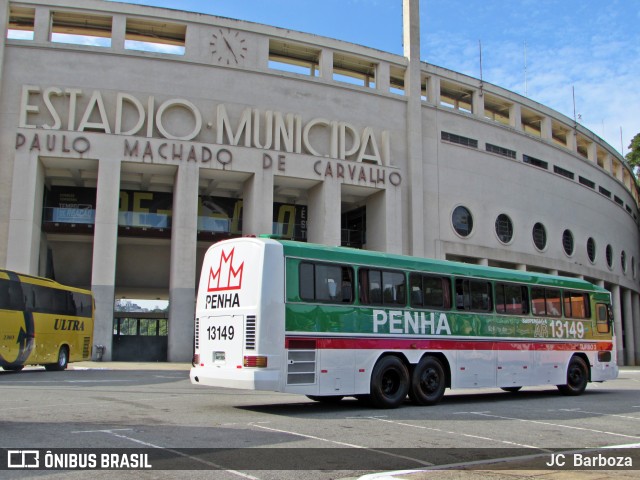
(228, 47)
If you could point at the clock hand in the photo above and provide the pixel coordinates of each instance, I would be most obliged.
(226, 42)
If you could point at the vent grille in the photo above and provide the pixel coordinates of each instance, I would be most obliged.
(86, 347)
(197, 334)
(301, 367)
(250, 333)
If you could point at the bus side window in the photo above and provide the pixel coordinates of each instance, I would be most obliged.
(602, 319)
(325, 282)
(576, 305)
(11, 295)
(473, 295)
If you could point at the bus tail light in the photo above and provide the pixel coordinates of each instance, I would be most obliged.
(259, 361)
(195, 360)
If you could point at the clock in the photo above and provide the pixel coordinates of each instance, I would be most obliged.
(228, 47)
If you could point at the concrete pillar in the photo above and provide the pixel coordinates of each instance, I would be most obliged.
(413, 91)
(25, 216)
(326, 64)
(384, 221)
(182, 277)
(546, 131)
(118, 32)
(42, 25)
(257, 203)
(105, 246)
(383, 77)
(483, 261)
(433, 90)
(477, 103)
(521, 267)
(617, 321)
(515, 116)
(572, 141)
(629, 340)
(636, 326)
(325, 210)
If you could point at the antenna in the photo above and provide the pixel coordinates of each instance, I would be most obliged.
(481, 82)
(525, 68)
(621, 142)
(575, 120)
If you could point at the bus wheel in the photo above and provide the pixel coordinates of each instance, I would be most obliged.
(325, 398)
(389, 383)
(61, 364)
(511, 389)
(577, 377)
(428, 381)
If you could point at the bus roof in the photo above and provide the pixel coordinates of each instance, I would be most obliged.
(41, 280)
(355, 256)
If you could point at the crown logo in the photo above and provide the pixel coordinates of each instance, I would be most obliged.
(226, 277)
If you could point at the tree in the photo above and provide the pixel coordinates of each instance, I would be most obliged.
(633, 157)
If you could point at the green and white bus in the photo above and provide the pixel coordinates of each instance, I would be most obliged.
(330, 322)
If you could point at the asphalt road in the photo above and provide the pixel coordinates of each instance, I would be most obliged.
(201, 428)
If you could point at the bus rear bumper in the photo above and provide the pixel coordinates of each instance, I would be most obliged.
(244, 379)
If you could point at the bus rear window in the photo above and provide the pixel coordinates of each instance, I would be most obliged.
(321, 282)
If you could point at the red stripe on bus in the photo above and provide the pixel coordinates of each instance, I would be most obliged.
(440, 344)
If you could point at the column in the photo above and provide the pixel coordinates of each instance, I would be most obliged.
(636, 326)
(383, 77)
(414, 155)
(326, 64)
(182, 279)
(546, 131)
(477, 100)
(25, 216)
(384, 221)
(629, 340)
(515, 116)
(257, 203)
(42, 25)
(617, 321)
(105, 246)
(118, 32)
(325, 211)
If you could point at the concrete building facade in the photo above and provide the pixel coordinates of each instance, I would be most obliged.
(134, 137)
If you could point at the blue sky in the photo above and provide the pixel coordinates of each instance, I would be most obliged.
(592, 46)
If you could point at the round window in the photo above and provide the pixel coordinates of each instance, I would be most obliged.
(504, 228)
(539, 236)
(567, 242)
(609, 253)
(591, 249)
(462, 221)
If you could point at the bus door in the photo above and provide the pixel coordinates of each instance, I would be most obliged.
(140, 336)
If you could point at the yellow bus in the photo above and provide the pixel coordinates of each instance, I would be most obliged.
(43, 322)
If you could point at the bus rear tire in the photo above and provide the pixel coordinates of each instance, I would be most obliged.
(389, 383)
(428, 381)
(61, 364)
(577, 377)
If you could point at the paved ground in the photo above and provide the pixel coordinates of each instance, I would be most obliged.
(153, 405)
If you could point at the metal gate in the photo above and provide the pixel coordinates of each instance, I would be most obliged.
(140, 336)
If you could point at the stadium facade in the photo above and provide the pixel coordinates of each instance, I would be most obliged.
(122, 161)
